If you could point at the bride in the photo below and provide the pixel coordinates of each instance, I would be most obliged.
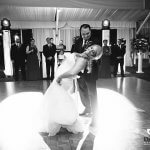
(26, 114)
(59, 107)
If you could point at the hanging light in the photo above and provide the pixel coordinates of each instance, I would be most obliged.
(106, 24)
(5, 23)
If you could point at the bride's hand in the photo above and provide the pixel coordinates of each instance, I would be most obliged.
(58, 80)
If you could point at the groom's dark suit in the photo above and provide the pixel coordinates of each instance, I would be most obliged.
(87, 81)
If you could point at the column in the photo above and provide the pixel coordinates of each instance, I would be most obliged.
(7, 46)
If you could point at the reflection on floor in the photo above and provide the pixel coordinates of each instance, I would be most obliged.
(134, 89)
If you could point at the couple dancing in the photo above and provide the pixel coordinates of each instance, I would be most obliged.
(26, 114)
(60, 94)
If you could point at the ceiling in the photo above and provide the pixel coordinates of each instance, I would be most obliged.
(96, 10)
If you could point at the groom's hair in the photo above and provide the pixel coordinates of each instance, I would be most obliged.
(85, 26)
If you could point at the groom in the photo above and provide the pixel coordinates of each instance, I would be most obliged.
(87, 81)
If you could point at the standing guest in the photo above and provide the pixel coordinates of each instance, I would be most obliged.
(33, 58)
(49, 51)
(60, 53)
(73, 45)
(61, 46)
(18, 57)
(105, 70)
(113, 57)
(119, 57)
(87, 80)
(61, 57)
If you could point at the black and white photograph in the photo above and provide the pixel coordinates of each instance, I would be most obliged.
(74, 75)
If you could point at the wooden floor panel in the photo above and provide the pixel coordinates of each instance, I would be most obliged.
(136, 90)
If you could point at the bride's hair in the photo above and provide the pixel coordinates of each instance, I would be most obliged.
(93, 52)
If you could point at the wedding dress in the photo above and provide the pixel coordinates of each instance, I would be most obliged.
(24, 115)
(17, 122)
(59, 106)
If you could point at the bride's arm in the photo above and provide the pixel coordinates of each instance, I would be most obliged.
(79, 65)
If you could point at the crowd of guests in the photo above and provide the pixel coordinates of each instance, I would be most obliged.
(113, 56)
(27, 59)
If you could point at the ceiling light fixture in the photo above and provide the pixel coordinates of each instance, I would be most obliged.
(106, 24)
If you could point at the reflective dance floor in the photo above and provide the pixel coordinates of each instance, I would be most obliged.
(136, 90)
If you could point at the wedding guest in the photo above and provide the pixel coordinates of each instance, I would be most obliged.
(113, 57)
(73, 45)
(33, 58)
(105, 70)
(119, 57)
(18, 57)
(61, 57)
(49, 51)
(61, 45)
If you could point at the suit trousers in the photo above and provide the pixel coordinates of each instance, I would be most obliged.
(88, 93)
(50, 67)
(17, 66)
(117, 62)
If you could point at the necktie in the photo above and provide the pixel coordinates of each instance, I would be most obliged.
(85, 43)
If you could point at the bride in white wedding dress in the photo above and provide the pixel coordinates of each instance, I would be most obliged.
(59, 108)
(24, 115)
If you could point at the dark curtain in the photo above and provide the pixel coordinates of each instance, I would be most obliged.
(113, 36)
(98, 35)
(26, 36)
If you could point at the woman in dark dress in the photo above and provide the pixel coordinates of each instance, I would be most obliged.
(33, 69)
(105, 70)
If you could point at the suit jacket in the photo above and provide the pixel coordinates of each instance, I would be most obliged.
(80, 49)
(18, 53)
(113, 53)
(49, 51)
(73, 48)
(120, 51)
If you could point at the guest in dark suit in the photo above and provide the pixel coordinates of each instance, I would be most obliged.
(18, 57)
(87, 80)
(113, 57)
(119, 57)
(49, 51)
(73, 45)
(105, 70)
